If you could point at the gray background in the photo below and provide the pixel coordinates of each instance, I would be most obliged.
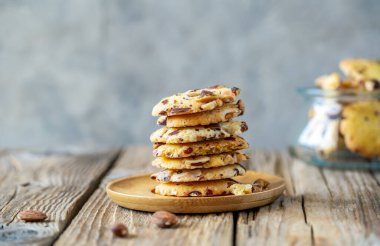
(88, 72)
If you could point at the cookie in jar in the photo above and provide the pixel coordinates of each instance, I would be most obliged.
(343, 129)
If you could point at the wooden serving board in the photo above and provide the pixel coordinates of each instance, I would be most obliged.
(135, 193)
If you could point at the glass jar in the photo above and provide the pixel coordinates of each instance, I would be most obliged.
(343, 129)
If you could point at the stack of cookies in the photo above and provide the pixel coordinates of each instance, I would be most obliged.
(199, 146)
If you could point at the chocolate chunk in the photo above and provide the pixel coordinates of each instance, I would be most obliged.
(173, 133)
(243, 126)
(164, 101)
(200, 138)
(230, 138)
(235, 90)
(197, 164)
(236, 172)
(241, 106)
(229, 116)
(206, 93)
(156, 145)
(188, 150)
(209, 192)
(179, 171)
(179, 110)
(195, 193)
(162, 122)
(163, 112)
(213, 126)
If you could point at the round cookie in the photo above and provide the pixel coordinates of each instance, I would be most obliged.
(361, 128)
(194, 101)
(198, 133)
(210, 147)
(201, 174)
(200, 161)
(361, 69)
(221, 114)
(205, 188)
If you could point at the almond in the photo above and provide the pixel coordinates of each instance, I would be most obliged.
(164, 219)
(120, 230)
(32, 216)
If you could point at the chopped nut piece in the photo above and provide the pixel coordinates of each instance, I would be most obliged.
(259, 185)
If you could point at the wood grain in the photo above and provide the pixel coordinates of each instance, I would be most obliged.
(280, 223)
(57, 185)
(321, 206)
(93, 223)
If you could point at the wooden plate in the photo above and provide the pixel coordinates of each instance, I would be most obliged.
(135, 193)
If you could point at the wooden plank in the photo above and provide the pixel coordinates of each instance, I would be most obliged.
(55, 184)
(280, 223)
(93, 223)
(343, 207)
(323, 207)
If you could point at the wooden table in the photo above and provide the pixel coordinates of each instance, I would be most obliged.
(319, 207)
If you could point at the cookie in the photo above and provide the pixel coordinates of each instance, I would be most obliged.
(360, 128)
(210, 147)
(329, 82)
(206, 161)
(194, 101)
(200, 174)
(198, 133)
(221, 114)
(240, 189)
(205, 188)
(361, 69)
(333, 81)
